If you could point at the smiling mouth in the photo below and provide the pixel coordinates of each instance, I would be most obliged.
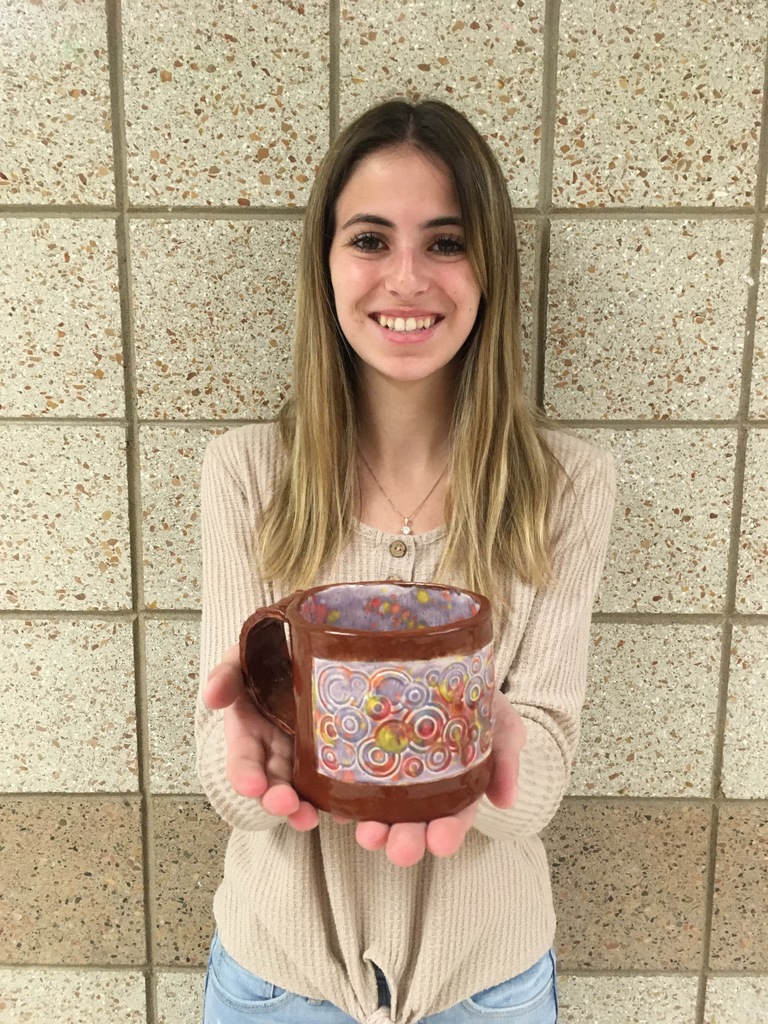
(405, 325)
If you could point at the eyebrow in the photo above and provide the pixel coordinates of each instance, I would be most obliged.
(372, 218)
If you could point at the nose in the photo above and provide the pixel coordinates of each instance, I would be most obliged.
(407, 273)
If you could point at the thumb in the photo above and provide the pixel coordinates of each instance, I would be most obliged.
(508, 740)
(225, 680)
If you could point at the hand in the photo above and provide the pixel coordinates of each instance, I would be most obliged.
(407, 842)
(259, 755)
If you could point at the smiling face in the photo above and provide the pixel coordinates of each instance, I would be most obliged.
(406, 296)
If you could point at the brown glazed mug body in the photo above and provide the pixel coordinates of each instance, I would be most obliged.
(388, 692)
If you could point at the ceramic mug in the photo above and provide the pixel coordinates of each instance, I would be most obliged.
(388, 692)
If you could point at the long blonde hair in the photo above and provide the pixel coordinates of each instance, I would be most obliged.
(501, 468)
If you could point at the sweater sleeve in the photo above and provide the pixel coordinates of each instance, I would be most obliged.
(232, 590)
(547, 680)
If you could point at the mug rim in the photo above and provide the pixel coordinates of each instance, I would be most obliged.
(296, 618)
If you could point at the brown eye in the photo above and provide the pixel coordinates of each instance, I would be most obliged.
(367, 242)
(448, 245)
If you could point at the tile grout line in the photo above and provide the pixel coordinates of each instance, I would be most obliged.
(656, 213)
(548, 106)
(51, 422)
(99, 615)
(182, 212)
(663, 972)
(636, 425)
(614, 800)
(334, 68)
(538, 339)
(98, 795)
(544, 204)
(743, 425)
(133, 470)
(279, 214)
(186, 614)
(75, 211)
(574, 972)
(629, 801)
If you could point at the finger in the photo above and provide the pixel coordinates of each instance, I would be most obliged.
(305, 818)
(225, 681)
(508, 740)
(279, 766)
(246, 756)
(445, 835)
(372, 835)
(282, 800)
(407, 843)
(502, 789)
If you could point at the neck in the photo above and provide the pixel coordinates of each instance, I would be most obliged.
(409, 420)
(404, 441)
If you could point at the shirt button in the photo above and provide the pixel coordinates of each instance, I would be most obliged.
(397, 548)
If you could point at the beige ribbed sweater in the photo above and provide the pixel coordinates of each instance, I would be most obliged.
(312, 911)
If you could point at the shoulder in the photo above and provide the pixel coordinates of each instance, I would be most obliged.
(249, 458)
(575, 456)
(255, 445)
(585, 479)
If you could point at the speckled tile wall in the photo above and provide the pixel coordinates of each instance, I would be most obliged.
(155, 160)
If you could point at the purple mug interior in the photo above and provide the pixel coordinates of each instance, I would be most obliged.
(387, 607)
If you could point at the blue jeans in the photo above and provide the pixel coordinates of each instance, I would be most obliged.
(235, 996)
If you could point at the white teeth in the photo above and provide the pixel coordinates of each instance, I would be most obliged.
(404, 326)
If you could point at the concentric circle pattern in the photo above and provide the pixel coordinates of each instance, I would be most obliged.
(408, 722)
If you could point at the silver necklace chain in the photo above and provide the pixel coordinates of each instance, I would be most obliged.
(406, 529)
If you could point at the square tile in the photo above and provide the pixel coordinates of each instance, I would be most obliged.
(214, 308)
(180, 997)
(659, 999)
(171, 461)
(745, 753)
(190, 841)
(61, 351)
(646, 319)
(64, 541)
(70, 707)
(671, 530)
(72, 882)
(736, 1001)
(648, 724)
(55, 114)
(629, 885)
(173, 671)
(752, 586)
(487, 62)
(740, 900)
(225, 105)
(71, 997)
(647, 110)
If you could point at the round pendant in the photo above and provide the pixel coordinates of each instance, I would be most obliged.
(406, 529)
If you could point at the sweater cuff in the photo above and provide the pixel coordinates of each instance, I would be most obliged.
(541, 785)
(241, 812)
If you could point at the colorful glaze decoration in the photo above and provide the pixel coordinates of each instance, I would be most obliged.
(416, 721)
(389, 608)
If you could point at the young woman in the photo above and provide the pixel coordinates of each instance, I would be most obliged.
(405, 451)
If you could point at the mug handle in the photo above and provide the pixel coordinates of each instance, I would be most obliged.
(266, 664)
